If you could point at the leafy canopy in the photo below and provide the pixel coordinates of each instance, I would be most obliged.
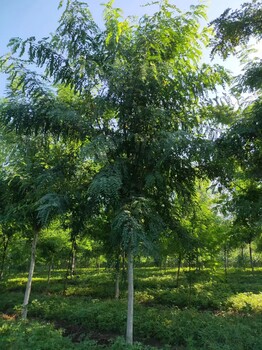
(137, 95)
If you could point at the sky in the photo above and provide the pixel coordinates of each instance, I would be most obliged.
(39, 18)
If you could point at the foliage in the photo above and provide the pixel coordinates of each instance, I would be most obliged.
(135, 90)
(235, 27)
(221, 315)
(240, 146)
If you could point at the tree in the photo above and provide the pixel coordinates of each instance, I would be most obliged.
(53, 246)
(241, 144)
(32, 179)
(139, 91)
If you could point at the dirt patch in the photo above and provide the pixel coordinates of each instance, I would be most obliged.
(78, 333)
(8, 317)
(103, 338)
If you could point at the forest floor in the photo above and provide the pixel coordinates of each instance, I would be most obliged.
(207, 310)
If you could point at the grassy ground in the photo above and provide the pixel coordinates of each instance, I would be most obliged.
(206, 311)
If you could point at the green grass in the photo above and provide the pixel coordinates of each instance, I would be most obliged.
(208, 313)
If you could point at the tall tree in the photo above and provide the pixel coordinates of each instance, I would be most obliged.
(139, 92)
(241, 144)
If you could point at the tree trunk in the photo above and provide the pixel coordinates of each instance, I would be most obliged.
(197, 261)
(69, 265)
(97, 261)
(251, 256)
(50, 269)
(225, 262)
(117, 279)
(165, 263)
(30, 276)
(124, 265)
(130, 308)
(242, 257)
(73, 263)
(73, 257)
(117, 289)
(2, 267)
(178, 269)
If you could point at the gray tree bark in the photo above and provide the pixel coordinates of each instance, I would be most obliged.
(178, 269)
(5, 245)
(30, 277)
(130, 308)
(50, 269)
(225, 261)
(251, 257)
(117, 279)
(117, 289)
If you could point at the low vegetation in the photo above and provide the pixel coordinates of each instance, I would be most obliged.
(210, 313)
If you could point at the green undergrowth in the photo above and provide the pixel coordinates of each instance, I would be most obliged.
(18, 335)
(205, 311)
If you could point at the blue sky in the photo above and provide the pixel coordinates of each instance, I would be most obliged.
(24, 18)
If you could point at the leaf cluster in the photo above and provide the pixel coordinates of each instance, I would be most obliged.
(235, 27)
